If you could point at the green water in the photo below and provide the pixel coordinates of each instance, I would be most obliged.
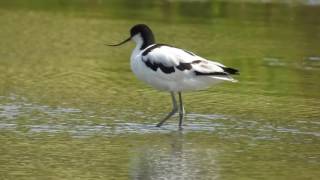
(70, 108)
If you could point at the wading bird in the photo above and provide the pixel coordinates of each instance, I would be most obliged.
(171, 69)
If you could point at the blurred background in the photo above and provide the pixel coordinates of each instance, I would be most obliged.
(70, 107)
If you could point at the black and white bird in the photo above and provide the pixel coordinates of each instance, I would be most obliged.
(171, 69)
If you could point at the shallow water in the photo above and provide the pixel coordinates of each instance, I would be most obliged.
(70, 108)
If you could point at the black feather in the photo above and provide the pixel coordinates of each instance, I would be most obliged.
(184, 66)
(154, 66)
(230, 70)
(210, 73)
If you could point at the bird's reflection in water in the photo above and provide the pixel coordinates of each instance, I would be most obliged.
(173, 157)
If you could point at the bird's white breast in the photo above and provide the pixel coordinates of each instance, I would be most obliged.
(145, 74)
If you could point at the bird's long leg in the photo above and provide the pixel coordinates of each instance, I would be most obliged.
(181, 111)
(174, 110)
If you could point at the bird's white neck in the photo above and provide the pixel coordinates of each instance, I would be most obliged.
(138, 40)
(143, 40)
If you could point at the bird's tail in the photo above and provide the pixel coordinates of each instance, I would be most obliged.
(225, 78)
(231, 70)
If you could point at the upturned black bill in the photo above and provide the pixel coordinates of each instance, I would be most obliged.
(120, 43)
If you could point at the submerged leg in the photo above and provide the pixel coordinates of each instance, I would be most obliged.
(174, 110)
(181, 111)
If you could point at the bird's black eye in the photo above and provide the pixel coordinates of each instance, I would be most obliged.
(137, 29)
(133, 32)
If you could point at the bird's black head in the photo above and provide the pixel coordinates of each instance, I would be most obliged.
(140, 28)
(144, 31)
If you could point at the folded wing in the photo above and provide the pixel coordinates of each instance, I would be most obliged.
(176, 63)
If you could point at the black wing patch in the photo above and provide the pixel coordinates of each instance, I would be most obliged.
(230, 70)
(187, 66)
(154, 66)
(184, 66)
(166, 69)
(151, 65)
(226, 71)
(196, 62)
(210, 73)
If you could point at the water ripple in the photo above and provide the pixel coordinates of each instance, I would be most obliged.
(19, 115)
